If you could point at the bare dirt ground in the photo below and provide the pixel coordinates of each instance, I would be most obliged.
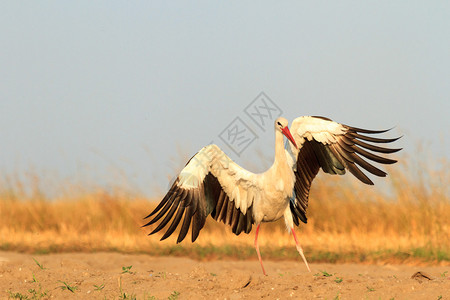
(109, 276)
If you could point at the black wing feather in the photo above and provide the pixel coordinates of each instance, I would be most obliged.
(347, 153)
(196, 205)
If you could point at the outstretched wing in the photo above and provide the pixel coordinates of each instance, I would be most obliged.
(334, 147)
(210, 183)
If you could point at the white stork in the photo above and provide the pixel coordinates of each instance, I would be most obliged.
(211, 183)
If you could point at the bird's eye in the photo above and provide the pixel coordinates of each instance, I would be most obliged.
(279, 123)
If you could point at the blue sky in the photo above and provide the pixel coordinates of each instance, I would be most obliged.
(122, 91)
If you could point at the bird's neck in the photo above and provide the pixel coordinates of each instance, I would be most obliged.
(280, 155)
(280, 173)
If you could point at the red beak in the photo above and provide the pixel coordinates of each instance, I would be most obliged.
(287, 134)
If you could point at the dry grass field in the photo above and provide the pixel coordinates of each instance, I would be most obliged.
(407, 220)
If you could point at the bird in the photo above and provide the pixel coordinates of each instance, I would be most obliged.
(211, 183)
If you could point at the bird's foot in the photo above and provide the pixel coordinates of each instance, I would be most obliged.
(299, 249)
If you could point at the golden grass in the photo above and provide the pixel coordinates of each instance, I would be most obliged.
(407, 220)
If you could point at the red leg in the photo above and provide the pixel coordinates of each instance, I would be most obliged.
(257, 249)
(299, 248)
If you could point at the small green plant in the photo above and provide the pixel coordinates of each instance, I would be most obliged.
(439, 297)
(161, 274)
(127, 270)
(17, 295)
(370, 289)
(444, 274)
(326, 274)
(338, 280)
(213, 274)
(37, 294)
(127, 296)
(39, 265)
(99, 287)
(174, 295)
(67, 286)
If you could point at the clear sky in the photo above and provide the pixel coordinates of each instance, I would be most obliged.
(112, 91)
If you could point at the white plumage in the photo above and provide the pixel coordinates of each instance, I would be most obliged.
(212, 184)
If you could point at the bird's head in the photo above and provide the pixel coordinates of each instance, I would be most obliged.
(281, 124)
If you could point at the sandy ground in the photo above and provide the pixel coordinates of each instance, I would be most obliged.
(183, 278)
